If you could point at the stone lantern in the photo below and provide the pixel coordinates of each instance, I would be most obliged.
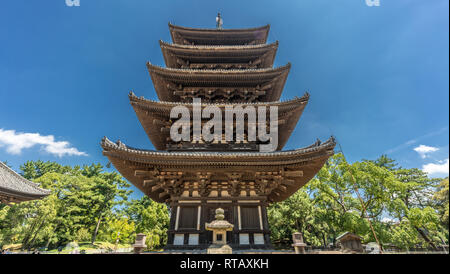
(139, 245)
(298, 244)
(219, 227)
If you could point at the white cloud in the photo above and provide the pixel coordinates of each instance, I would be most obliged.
(15, 142)
(441, 168)
(415, 140)
(424, 150)
(406, 144)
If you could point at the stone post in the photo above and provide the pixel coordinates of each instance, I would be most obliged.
(299, 245)
(139, 245)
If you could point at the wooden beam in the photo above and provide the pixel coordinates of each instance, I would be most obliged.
(282, 188)
(163, 194)
(156, 187)
(296, 173)
(161, 123)
(146, 182)
(165, 130)
(289, 182)
(140, 172)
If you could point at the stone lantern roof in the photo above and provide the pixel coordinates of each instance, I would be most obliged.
(219, 223)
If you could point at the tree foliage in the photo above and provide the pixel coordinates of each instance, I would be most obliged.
(152, 219)
(84, 203)
(401, 207)
(405, 207)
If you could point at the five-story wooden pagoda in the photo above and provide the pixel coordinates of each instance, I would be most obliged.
(223, 67)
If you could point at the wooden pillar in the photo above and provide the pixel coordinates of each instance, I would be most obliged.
(235, 222)
(266, 230)
(203, 237)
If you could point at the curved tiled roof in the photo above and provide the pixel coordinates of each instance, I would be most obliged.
(220, 47)
(219, 56)
(219, 30)
(165, 79)
(148, 110)
(17, 188)
(240, 72)
(119, 146)
(128, 160)
(303, 98)
(203, 36)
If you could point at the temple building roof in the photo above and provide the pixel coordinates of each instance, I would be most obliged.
(199, 36)
(14, 188)
(250, 85)
(155, 118)
(219, 56)
(276, 175)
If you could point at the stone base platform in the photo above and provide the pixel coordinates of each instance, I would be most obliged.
(242, 251)
(219, 249)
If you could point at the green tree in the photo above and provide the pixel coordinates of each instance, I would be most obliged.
(28, 223)
(296, 213)
(332, 196)
(441, 197)
(150, 218)
(80, 199)
(358, 198)
(385, 162)
(109, 190)
(119, 230)
(35, 169)
(412, 204)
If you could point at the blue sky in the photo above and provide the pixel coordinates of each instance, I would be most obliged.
(378, 76)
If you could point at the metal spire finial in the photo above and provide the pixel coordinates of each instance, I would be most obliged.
(219, 21)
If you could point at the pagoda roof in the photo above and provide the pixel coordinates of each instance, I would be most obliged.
(14, 188)
(154, 116)
(201, 36)
(305, 161)
(219, 56)
(168, 82)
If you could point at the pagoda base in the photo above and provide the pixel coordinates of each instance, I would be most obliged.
(187, 225)
(235, 247)
(219, 249)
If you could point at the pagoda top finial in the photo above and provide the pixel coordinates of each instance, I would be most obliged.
(219, 21)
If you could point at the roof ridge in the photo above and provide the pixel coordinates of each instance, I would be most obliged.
(304, 97)
(267, 26)
(151, 66)
(165, 44)
(105, 143)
